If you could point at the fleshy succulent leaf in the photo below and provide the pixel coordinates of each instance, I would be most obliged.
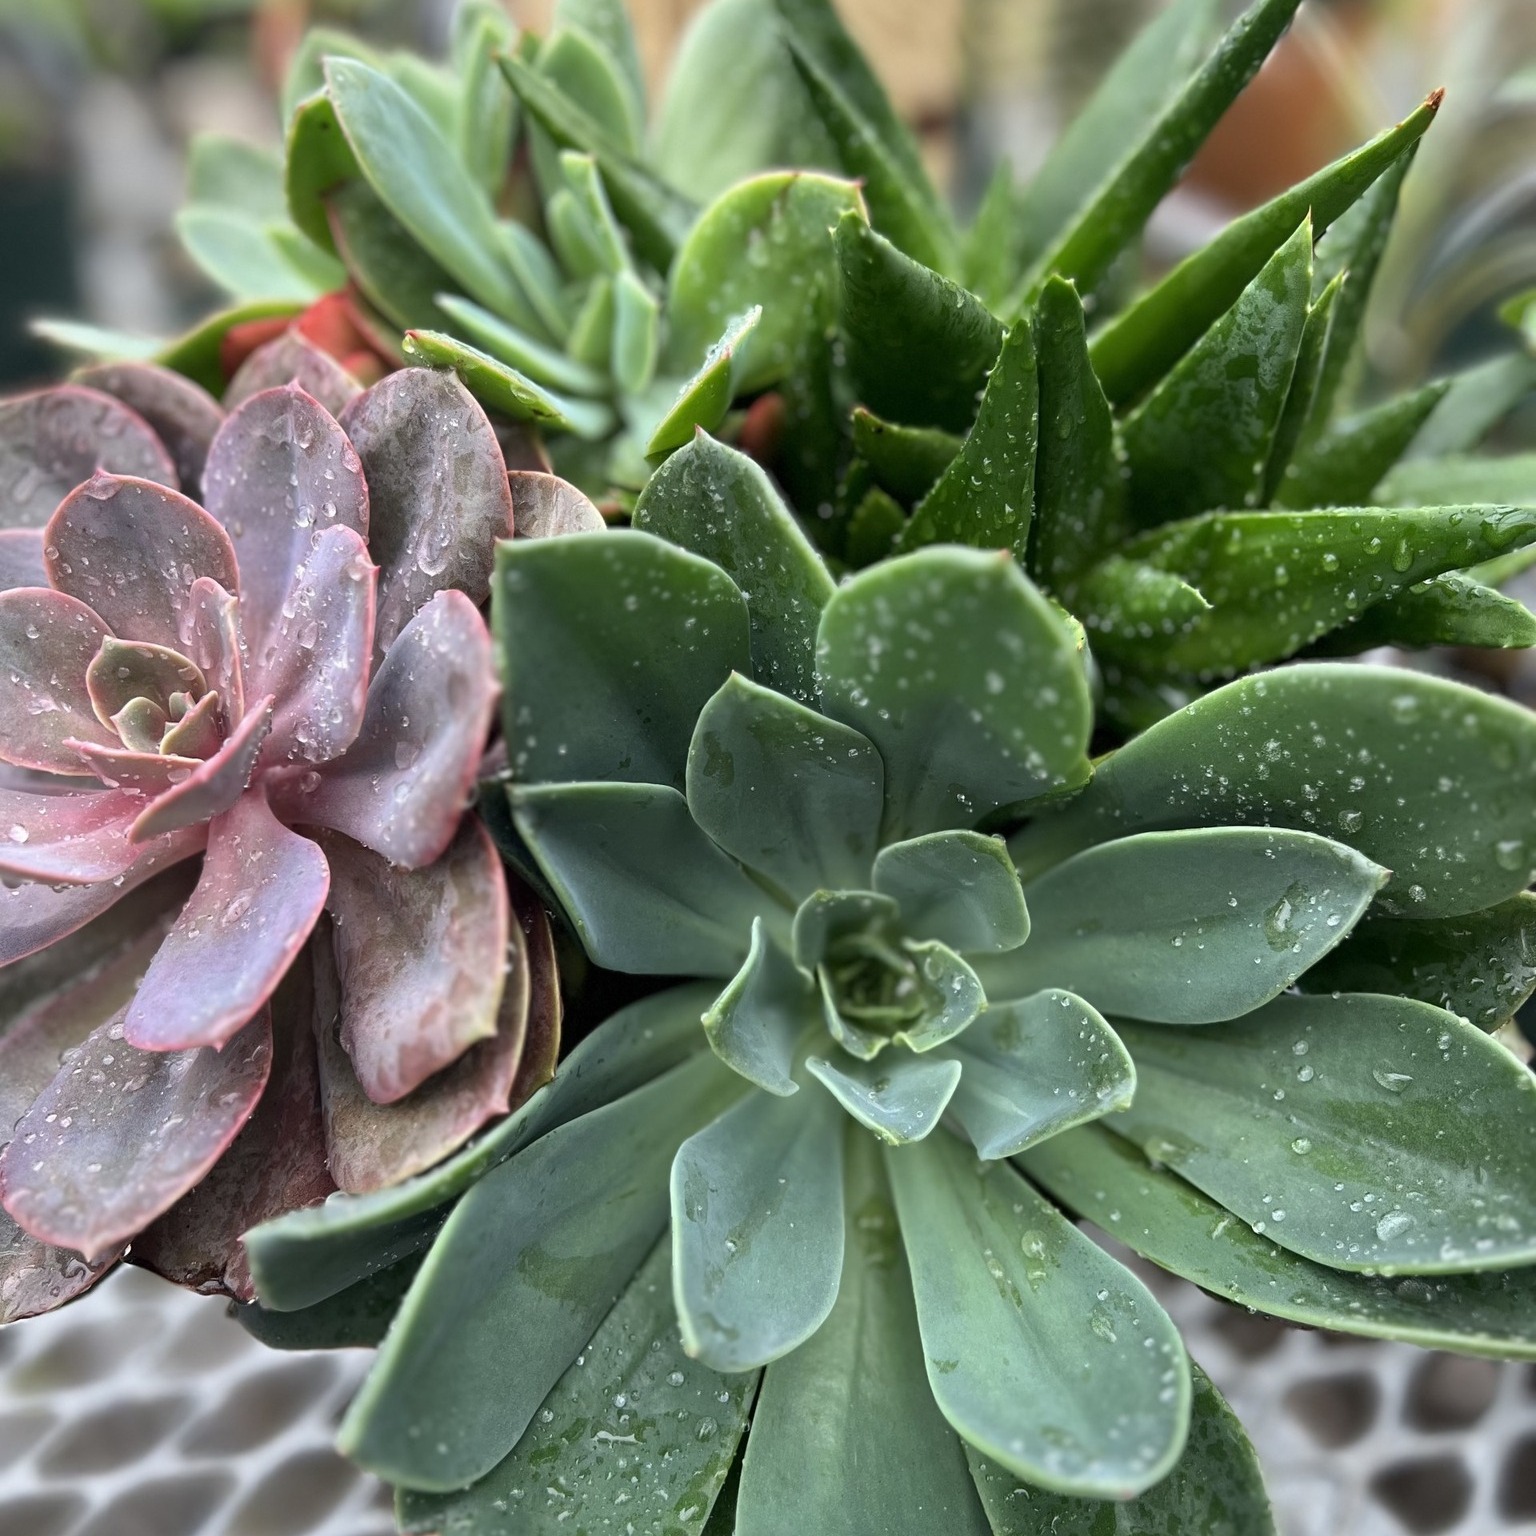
(213, 787)
(182, 414)
(704, 399)
(548, 507)
(1450, 609)
(292, 358)
(69, 839)
(826, 916)
(958, 887)
(957, 991)
(1376, 1088)
(543, 364)
(47, 642)
(758, 1021)
(905, 460)
(901, 1098)
(1306, 380)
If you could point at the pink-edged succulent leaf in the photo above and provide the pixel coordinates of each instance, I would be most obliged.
(78, 839)
(213, 787)
(198, 734)
(275, 1165)
(183, 415)
(131, 549)
(420, 954)
(438, 491)
(279, 471)
(546, 507)
(47, 642)
(317, 661)
(261, 889)
(33, 917)
(373, 1145)
(53, 440)
(293, 359)
(210, 636)
(149, 773)
(402, 785)
(21, 558)
(124, 670)
(121, 1134)
(140, 724)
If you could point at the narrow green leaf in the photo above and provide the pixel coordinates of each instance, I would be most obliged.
(901, 1099)
(1109, 1182)
(99, 341)
(538, 272)
(964, 678)
(591, 338)
(647, 891)
(636, 333)
(757, 1229)
(543, 364)
(355, 1318)
(1116, 211)
(905, 460)
(524, 1271)
(1009, 1292)
(1203, 437)
(1477, 401)
(718, 503)
(1034, 1067)
(957, 887)
(1384, 1097)
(1344, 466)
(986, 495)
(606, 23)
(1373, 755)
(572, 616)
(1139, 346)
(632, 1386)
(1187, 927)
(1453, 609)
(1306, 380)
(590, 81)
(792, 794)
(764, 242)
(240, 254)
(1216, 1489)
(987, 256)
(846, 1436)
(919, 346)
(704, 399)
(1079, 469)
(502, 388)
(485, 116)
(1481, 966)
(308, 1255)
(602, 229)
(756, 1024)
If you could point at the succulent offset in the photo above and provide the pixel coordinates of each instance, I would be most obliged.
(295, 684)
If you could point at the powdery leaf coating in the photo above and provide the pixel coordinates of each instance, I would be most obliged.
(47, 641)
(293, 359)
(183, 415)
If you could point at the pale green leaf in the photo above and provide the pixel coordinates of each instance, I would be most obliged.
(957, 887)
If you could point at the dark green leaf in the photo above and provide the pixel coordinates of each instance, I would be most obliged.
(901, 1098)
(1362, 1132)
(792, 794)
(522, 1274)
(632, 1386)
(1305, 383)
(905, 460)
(873, 529)
(1481, 966)
(1154, 1212)
(756, 1024)
(919, 346)
(356, 1318)
(1419, 775)
(318, 160)
(965, 679)
(392, 272)
(1126, 603)
(986, 495)
(1008, 1291)
(647, 891)
(1452, 609)
(578, 619)
(957, 887)
(718, 503)
(704, 399)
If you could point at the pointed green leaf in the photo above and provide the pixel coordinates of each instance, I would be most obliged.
(1202, 438)
(846, 1437)
(987, 256)
(766, 241)
(1403, 1140)
(1453, 609)
(704, 399)
(1216, 1489)
(1108, 1181)
(636, 333)
(1477, 401)
(757, 1229)
(964, 678)
(541, 363)
(308, 1255)
(1187, 927)
(573, 617)
(919, 346)
(1009, 1293)
(632, 1386)
(1127, 603)
(1372, 754)
(1079, 469)
(901, 1098)
(986, 495)
(790, 793)
(1306, 380)
(718, 503)
(99, 341)
(1139, 346)
(502, 388)
(1481, 966)
(1033, 1068)
(525, 1269)
(958, 887)
(905, 460)
(644, 887)
(757, 1023)
(586, 185)
(957, 996)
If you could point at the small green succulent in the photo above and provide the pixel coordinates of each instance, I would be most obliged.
(914, 1052)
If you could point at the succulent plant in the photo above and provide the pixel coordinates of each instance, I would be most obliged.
(1213, 994)
(293, 681)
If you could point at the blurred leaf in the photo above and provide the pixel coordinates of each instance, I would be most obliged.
(1477, 401)
(905, 460)
(1509, 481)
(230, 173)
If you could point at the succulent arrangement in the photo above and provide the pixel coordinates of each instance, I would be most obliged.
(798, 763)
